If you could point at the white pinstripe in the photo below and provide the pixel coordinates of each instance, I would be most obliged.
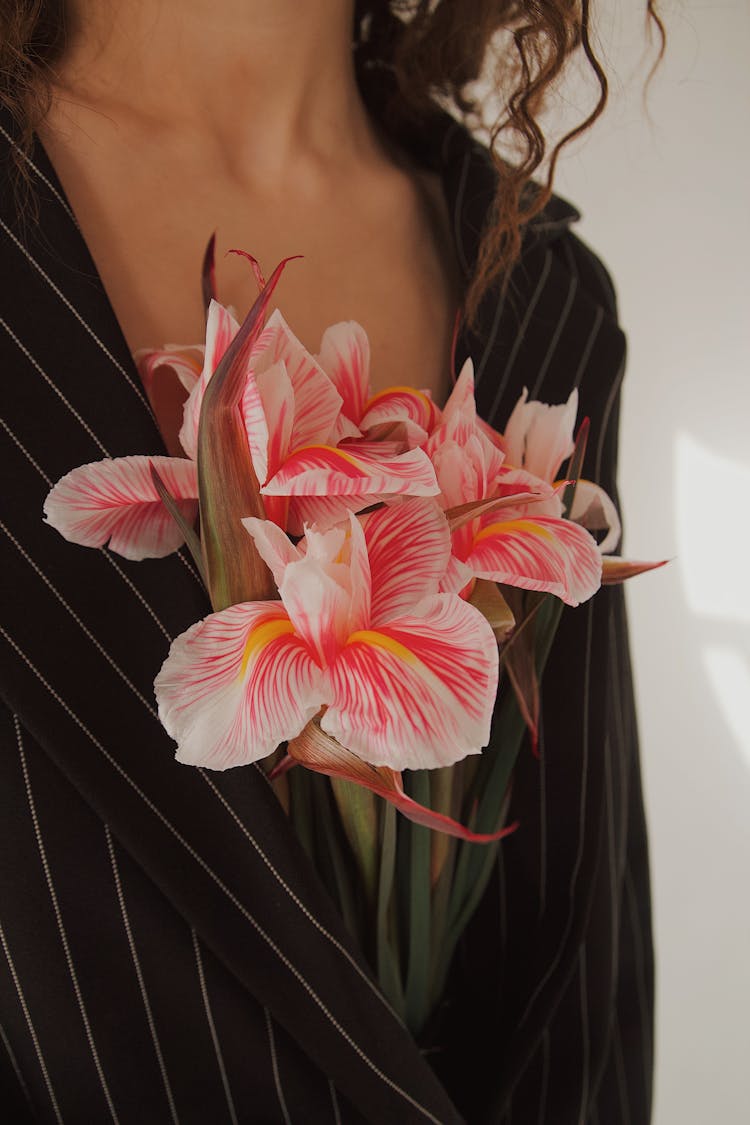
(612, 860)
(139, 975)
(123, 675)
(334, 1103)
(362, 1055)
(134, 590)
(102, 550)
(84, 628)
(542, 818)
(212, 1027)
(622, 1086)
(17, 441)
(584, 766)
(544, 1084)
(295, 899)
(586, 354)
(275, 1068)
(152, 711)
(40, 174)
(541, 282)
(50, 382)
(61, 926)
(84, 323)
(640, 974)
(554, 341)
(30, 1026)
(581, 823)
(189, 566)
(490, 342)
(585, 1037)
(16, 1068)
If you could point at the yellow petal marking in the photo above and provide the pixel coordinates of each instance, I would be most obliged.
(410, 391)
(514, 525)
(261, 636)
(380, 640)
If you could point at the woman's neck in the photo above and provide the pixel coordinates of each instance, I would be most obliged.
(271, 81)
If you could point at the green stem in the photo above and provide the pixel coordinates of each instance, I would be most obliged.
(418, 970)
(389, 973)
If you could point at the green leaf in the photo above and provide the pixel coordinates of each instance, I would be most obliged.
(389, 972)
(418, 966)
(358, 809)
(227, 484)
(188, 531)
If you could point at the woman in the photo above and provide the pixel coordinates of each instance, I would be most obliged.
(169, 955)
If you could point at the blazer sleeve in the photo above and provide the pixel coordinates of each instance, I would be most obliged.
(562, 941)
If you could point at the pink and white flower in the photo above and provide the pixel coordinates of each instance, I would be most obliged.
(293, 420)
(399, 411)
(526, 543)
(403, 676)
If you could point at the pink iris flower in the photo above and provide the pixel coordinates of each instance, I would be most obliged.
(401, 412)
(527, 543)
(400, 674)
(292, 415)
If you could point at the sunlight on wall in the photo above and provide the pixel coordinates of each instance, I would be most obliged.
(728, 672)
(713, 531)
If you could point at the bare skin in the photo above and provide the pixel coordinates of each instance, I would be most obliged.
(173, 120)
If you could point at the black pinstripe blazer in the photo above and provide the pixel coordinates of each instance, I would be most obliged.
(168, 955)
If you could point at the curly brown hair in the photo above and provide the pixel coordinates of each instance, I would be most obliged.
(433, 51)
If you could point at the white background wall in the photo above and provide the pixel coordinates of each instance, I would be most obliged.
(666, 199)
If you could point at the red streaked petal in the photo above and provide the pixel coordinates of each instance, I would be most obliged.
(401, 404)
(273, 545)
(461, 399)
(235, 685)
(345, 358)
(321, 512)
(317, 751)
(117, 501)
(268, 412)
(416, 693)
(320, 470)
(408, 545)
(556, 556)
(221, 328)
(184, 360)
(317, 403)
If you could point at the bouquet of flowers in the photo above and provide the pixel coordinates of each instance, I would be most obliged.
(377, 568)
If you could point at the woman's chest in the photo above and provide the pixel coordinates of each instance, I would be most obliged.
(378, 252)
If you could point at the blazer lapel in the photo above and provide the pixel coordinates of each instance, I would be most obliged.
(84, 633)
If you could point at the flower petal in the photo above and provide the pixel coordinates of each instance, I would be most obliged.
(184, 360)
(408, 545)
(345, 358)
(318, 751)
(273, 546)
(235, 685)
(268, 411)
(543, 554)
(401, 404)
(221, 328)
(539, 437)
(322, 470)
(416, 693)
(616, 570)
(117, 500)
(317, 403)
(593, 509)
